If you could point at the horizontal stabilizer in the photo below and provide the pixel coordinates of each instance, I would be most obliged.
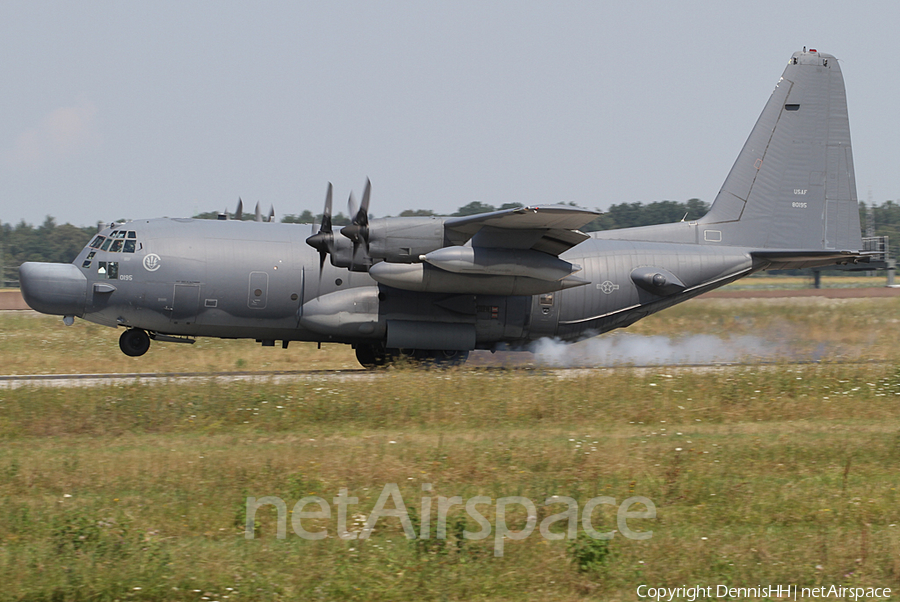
(805, 258)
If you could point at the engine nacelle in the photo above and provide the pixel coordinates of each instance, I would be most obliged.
(344, 255)
(500, 262)
(426, 278)
(345, 314)
(404, 239)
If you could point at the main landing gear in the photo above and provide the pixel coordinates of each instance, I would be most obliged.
(376, 356)
(134, 342)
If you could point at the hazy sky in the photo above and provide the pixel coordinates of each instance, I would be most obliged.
(126, 110)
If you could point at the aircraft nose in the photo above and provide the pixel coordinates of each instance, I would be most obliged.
(53, 288)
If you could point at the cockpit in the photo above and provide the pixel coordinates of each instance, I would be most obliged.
(117, 241)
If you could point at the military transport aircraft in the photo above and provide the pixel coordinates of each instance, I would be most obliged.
(434, 288)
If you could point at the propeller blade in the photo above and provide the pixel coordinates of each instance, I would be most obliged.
(271, 217)
(351, 205)
(362, 218)
(239, 212)
(326, 216)
(258, 214)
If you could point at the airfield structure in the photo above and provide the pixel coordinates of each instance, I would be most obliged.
(880, 259)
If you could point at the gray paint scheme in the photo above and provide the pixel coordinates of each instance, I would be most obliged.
(501, 279)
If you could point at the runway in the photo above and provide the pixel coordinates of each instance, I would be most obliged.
(17, 381)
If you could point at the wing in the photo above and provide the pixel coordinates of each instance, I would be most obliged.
(551, 230)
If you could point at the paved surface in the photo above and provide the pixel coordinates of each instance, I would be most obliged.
(97, 380)
(12, 300)
(829, 293)
(282, 377)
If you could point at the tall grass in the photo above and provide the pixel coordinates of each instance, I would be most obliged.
(760, 475)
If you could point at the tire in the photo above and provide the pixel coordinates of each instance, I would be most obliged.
(134, 342)
(371, 356)
(448, 359)
(434, 358)
(375, 356)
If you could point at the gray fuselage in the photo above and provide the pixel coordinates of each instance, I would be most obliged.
(261, 281)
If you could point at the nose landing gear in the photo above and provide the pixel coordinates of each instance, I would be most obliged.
(134, 342)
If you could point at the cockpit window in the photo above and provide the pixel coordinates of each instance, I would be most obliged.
(117, 241)
(87, 260)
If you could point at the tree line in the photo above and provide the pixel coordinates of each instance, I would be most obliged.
(624, 215)
(62, 243)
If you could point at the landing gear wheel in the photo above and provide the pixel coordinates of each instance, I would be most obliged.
(429, 358)
(134, 342)
(376, 356)
(372, 356)
(449, 358)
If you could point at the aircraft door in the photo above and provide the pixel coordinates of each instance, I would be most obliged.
(544, 315)
(185, 302)
(259, 290)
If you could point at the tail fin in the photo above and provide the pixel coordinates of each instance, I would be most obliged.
(793, 186)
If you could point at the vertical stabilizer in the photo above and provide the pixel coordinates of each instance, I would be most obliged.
(793, 186)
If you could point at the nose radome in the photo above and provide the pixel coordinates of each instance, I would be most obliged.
(53, 288)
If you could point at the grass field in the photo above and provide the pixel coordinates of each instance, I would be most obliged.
(799, 328)
(768, 474)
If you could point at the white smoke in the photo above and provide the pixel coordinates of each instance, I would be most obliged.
(640, 350)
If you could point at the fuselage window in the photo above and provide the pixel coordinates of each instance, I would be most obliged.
(95, 244)
(106, 244)
(129, 245)
(113, 270)
(116, 246)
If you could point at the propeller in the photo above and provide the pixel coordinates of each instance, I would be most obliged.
(323, 240)
(239, 212)
(258, 215)
(271, 217)
(358, 230)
